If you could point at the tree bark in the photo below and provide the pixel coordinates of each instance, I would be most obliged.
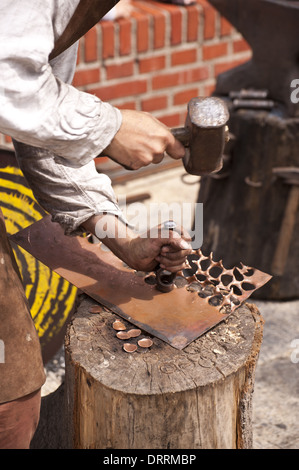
(160, 397)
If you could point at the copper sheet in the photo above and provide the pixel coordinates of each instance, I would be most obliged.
(177, 317)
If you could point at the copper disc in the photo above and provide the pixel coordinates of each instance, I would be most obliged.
(118, 325)
(129, 348)
(134, 333)
(123, 335)
(145, 343)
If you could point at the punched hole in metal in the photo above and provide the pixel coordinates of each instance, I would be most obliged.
(206, 292)
(248, 286)
(204, 264)
(203, 294)
(236, 290)
(215, 271)
(180, 281)
(193, 266)
(226, 279)
(234, 300)
(216, 300)
(249, 272)
(238, 275)
(194, 287)
(192, 257)
(189, 272)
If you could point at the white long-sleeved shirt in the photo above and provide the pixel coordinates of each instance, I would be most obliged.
(63, 129)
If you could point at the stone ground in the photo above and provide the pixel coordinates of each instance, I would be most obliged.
(276, 395)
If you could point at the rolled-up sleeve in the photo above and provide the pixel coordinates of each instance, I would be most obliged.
(57, 130)
(38, 108)
(70, 194)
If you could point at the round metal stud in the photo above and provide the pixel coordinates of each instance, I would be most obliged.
(118, 325)
(123, 335)
(145, 343)
(129, 348)
(134, 333)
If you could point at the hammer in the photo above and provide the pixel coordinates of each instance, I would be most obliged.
(290, 176)
(204, 135)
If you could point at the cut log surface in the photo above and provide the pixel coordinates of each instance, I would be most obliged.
(160, 397)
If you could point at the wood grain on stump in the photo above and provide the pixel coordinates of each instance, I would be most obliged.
(160, 397)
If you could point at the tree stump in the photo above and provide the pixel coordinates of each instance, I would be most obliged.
(160, 397)
(244, 205)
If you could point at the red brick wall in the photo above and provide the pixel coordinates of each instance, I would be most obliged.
(159, 59)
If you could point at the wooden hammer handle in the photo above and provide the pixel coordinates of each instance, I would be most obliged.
(286, 232)
(182, 134)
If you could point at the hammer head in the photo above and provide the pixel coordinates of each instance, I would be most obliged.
(206, 125)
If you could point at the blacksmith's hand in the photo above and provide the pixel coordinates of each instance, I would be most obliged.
(142, 140)
(169, 249)
(144, 252)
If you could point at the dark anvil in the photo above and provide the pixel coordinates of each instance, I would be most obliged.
(271, 29)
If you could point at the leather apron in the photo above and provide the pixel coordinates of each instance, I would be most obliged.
(21, 366)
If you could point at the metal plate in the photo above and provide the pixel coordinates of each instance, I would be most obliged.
(177, 317)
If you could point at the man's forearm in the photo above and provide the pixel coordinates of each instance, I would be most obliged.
(71, 195)
(116, 235)
(140, 251)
